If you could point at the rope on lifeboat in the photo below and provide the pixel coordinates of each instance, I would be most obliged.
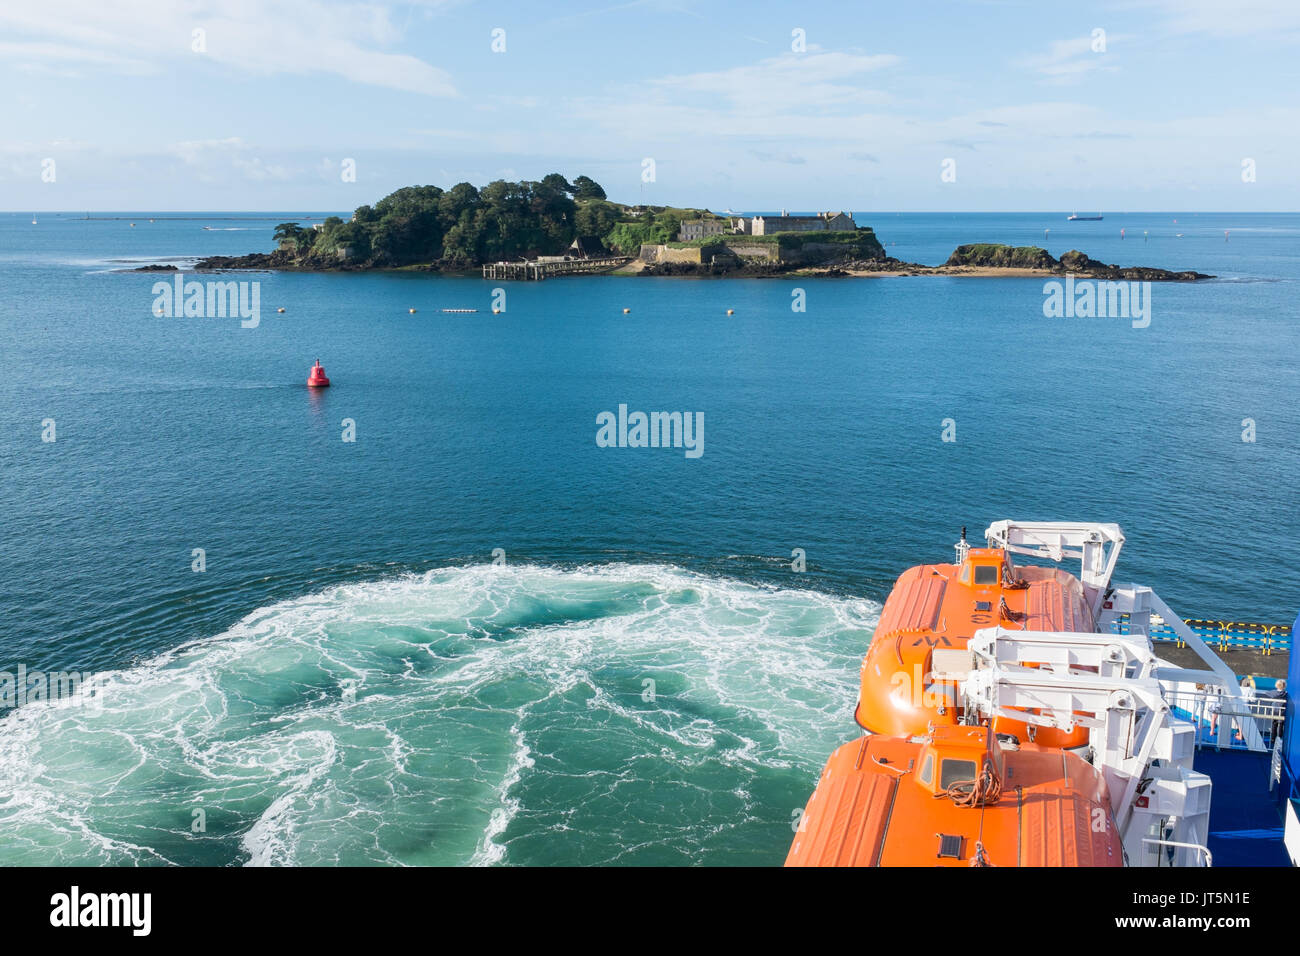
(983, 790)
(1006, 614)
(885, 766)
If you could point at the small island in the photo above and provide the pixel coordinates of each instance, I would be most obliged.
(532, 230)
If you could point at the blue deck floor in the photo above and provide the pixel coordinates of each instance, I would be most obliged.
(1245, 821)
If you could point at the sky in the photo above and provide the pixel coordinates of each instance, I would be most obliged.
(974, 106)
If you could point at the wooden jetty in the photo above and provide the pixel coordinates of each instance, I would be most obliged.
(538, 270)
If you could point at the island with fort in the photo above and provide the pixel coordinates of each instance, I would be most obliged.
(554, 227)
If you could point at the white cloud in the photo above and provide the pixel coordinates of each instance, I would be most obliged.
(289, 36)
(195, 151)
(1239, 18)
(789, 159)
(255, 169)
(816, 98)
(790, 82)
(212, 159)
(1068, 60)
(54, 57)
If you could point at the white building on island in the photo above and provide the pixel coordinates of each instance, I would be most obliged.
(699, 228)
(822, 222)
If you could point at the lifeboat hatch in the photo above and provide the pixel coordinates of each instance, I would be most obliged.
(950, 846)
(983, 568)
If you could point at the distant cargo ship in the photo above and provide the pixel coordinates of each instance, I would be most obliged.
(1075, 217)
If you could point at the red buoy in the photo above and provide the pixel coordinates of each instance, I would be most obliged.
(317, 378)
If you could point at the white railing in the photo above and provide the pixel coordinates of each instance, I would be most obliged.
(1228, 722)
(1204, 851)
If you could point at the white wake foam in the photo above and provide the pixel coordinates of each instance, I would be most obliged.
(467, 715)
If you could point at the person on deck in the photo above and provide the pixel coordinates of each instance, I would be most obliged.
(1276, 708)
(1249, 707)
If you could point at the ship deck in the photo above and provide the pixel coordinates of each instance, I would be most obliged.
(1246, 821)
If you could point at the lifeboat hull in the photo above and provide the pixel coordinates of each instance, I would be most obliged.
(873, 807)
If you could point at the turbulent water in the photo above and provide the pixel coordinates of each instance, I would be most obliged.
(629, 714)
(346, 679)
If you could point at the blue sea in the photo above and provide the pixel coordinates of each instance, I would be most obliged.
(472, 635)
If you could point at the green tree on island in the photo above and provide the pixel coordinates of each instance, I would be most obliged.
(597, 218)
(557, 182)
(464, 226)
(585, 187)
(292, 232)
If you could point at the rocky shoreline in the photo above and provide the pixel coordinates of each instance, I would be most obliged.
(969, 260)
(983, 259)
(280, 261)
(1073, 262)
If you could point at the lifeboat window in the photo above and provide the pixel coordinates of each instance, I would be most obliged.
(927, 769)
(983, 605)
(986, 574)
(956, 771)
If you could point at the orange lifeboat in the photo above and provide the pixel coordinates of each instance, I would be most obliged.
(929, 618)
(317, 377)
(930, 784)
(957, 796)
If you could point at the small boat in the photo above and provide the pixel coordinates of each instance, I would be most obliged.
(1075, 217)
